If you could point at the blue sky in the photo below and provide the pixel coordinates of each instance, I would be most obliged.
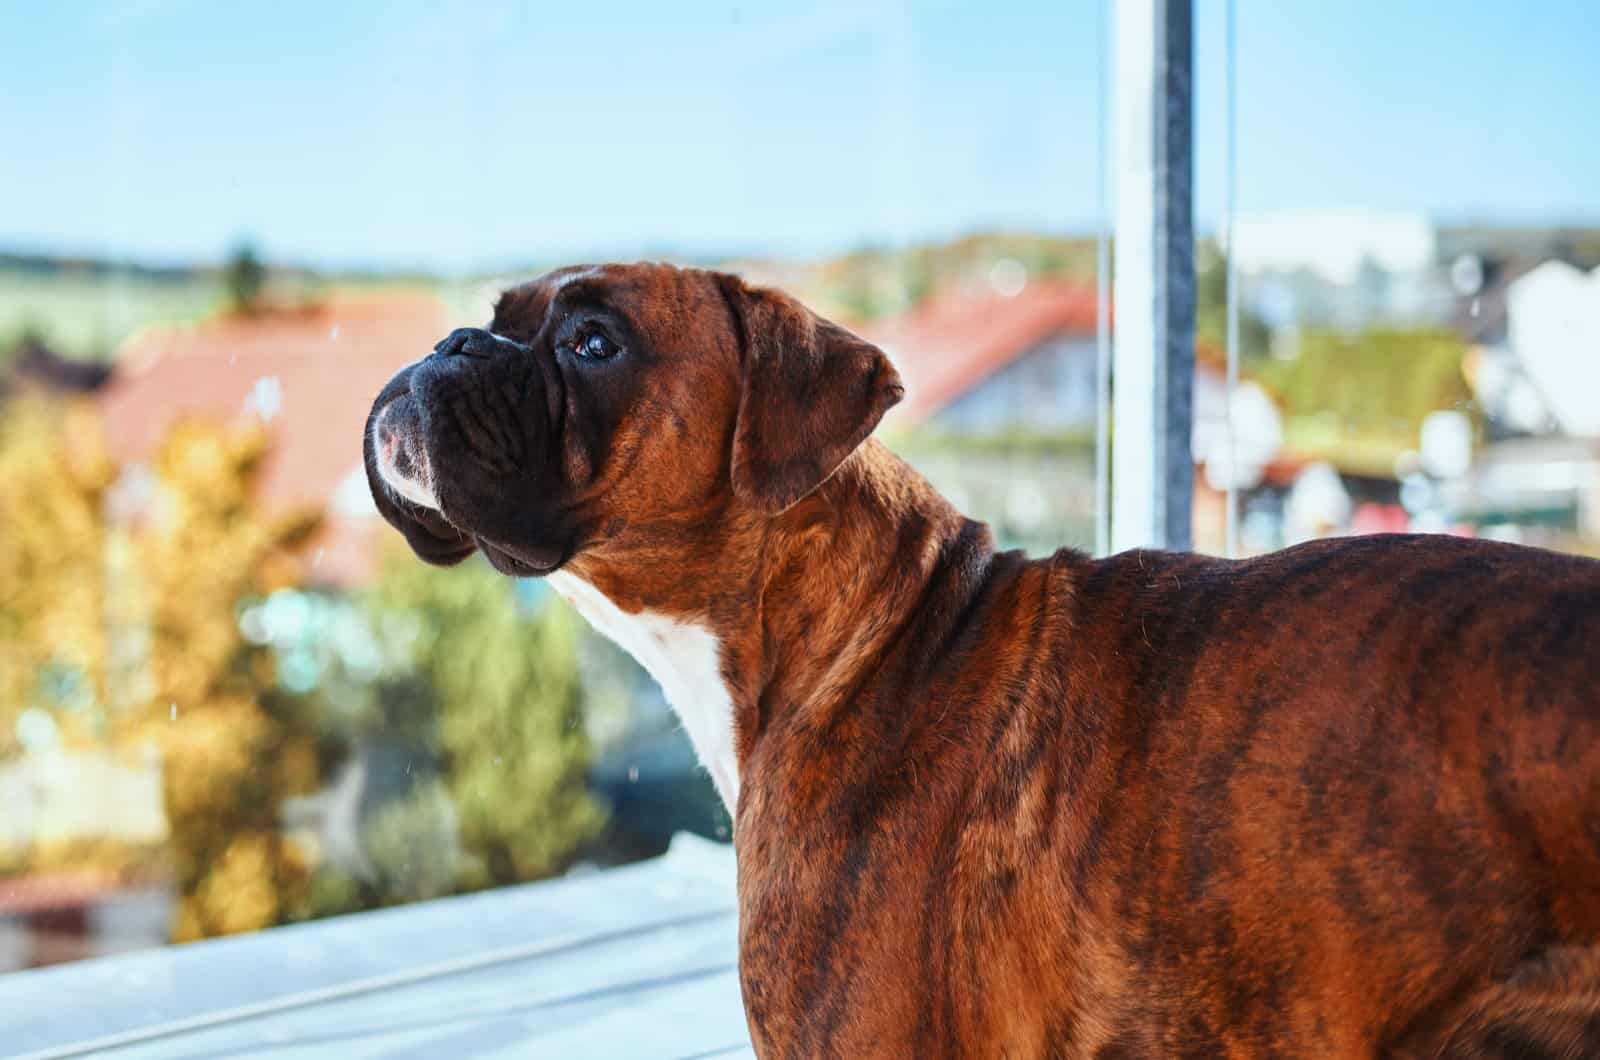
(460, 136)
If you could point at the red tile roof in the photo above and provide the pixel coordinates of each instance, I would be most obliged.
(26, 895)
(953, 340)
(321, 367)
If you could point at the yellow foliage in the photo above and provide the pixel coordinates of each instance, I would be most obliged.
(205, 752)
(137, 618)
(53, 473)
(121, 592)
(237, 892)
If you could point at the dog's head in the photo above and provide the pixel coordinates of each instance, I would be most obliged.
(614, 407)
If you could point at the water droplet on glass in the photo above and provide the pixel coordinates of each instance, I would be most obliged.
(172, 711)
(333, 333)
(722, 831)
(633, 774)
(1476, 306)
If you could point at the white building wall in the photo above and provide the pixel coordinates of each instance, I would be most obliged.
(1553, 320)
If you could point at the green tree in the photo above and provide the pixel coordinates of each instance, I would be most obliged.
(1211, 309)
(243, 277)
(1375, 386)
(498, 675)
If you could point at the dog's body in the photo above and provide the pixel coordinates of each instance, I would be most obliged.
(1341, 800)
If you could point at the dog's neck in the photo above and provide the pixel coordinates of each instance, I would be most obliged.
(686, 659)
(782, 615)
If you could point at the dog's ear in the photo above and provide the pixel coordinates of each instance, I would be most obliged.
(425, 530)
(811, 393)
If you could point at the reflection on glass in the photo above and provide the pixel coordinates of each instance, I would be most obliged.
(229, 698)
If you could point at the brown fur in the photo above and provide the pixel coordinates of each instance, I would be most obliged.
(1342, 800)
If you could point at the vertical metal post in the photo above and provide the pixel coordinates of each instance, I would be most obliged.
(1151, 458)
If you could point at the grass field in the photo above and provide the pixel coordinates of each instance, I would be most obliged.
(87, 315)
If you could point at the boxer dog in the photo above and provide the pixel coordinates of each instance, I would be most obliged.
(1342, 800)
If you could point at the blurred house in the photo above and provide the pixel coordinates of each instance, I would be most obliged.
(309, 375)
(1540, 490)
(1553, 325)
(1512, 402)
(1335, 244)
(51, 918)
(1341, 267)
(1003, 379)
(977, 360)
(1535, 372)
(1506, 398)
(59, 798)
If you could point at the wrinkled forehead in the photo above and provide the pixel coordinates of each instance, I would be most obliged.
(654, 298)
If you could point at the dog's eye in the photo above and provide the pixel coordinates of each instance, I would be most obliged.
(596, 346)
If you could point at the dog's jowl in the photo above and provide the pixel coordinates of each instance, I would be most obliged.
(1342, 800)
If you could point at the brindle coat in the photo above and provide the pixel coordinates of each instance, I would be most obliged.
(1342, 800)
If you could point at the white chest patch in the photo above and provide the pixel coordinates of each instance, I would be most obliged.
(686, 661)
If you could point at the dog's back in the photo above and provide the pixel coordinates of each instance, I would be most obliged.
(1347, 797)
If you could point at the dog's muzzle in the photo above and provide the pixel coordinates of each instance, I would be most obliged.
(457, 454)
(402, 458)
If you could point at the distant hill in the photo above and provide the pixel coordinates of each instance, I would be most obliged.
(874, 282)
(85, 307)
(57, 265)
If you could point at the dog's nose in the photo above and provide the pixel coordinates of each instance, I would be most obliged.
(474, 342)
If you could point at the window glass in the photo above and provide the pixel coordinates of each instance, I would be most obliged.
(229, 697)
(1415, 246)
